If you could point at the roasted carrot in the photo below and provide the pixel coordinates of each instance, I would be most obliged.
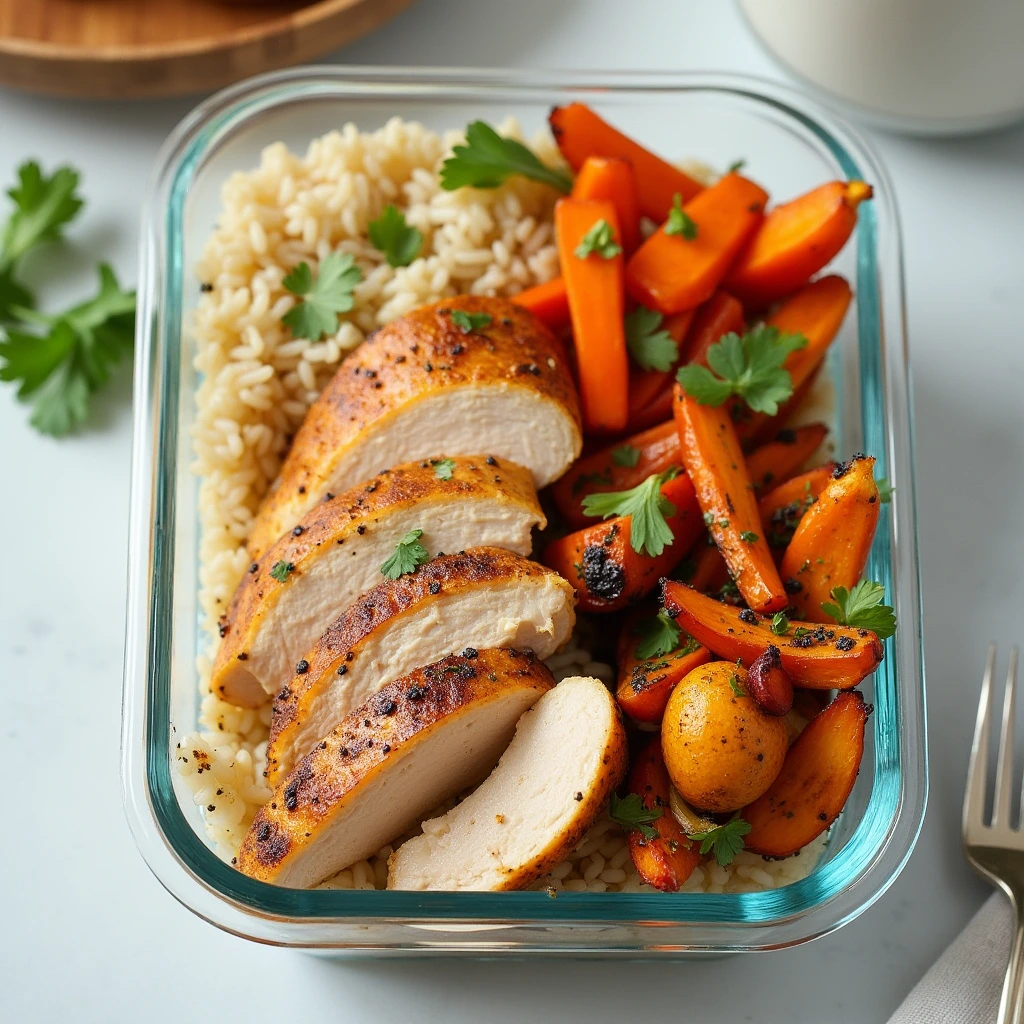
(776, 461)
(710, 573)
(713, 459)
(783, 508)
(815, 656)
(596, 304)
(669, 859)
(602, 177)
(831, 543)
(580, 133)
(673, 271)
(548, 302)
(602, 566)
(795, 240)
(719, 316)
(650, 391)
(816, 780)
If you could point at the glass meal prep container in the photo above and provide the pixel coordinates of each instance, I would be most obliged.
(789, 145)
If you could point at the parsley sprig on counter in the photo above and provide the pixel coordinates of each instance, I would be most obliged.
(397, 240)
(651, 347)
(862, 608)
(629, 812)
(322, 297)
(647, 508)
(487, 160)
(408, 556)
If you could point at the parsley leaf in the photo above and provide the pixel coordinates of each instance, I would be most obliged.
(679, 221)
(736, 165)
(647, 508)
(630, 813)
(885, 490)
(658, 635)
(862, 608)
(651, 349)
(487, 160)
(409, 555)
(443, 468)
(749, 537)
(750, 367)
(280, 570)
(737, 688)
(780, 624)
(599, 239)
(725, 841)
(324, 297)
(468, 322)
(626, 455)
(390, 233)
(42, 207)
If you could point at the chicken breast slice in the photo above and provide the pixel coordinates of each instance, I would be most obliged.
(481, 598)
(568, 755)
(421, 386)
(315, 572)
(415, 744)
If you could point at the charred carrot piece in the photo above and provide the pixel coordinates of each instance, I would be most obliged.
(593, 283)
(650, 391)
(549, 302)
(815, 656)
(783, 508)
(714, 461)
(816, 780)
(831, 543)
(610, 178)
(795, 241)
(668, 860)
(710, 573)
(580, 133)
(719, 316)
(779, 459)
(602, 566)
(685, 260)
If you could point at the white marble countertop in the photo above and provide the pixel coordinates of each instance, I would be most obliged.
(88, 935)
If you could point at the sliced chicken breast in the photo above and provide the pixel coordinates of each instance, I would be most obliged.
(481, 598)
(422, 385)
(315, 572)
(415, 744)
(568, 755)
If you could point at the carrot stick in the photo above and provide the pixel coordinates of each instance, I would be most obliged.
(720, 315)
(795, 241)
(650, 391)
(596, 304)
(610, 178)
(548, 302)
(774, 462)
(670, 272)
(710, 571)
(714, 461)
(580, 133)
(783, 508)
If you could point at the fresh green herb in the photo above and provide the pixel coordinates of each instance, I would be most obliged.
(723, 523)
(599, 239)
(409, 555)
(725, 841)
(709, 518)
(658, 635)
(468, 322)
(750, 367)
(885, 490)
(736, 686)
(390, 233)
(323, 297)
(647, 508)
(736, 165)
(801, 631)
(749, 537)
(780, 624)
(487, 160)
(630, 813)
(586, 479)
(443, 468)
(280, 570)
(651, 348)
(679, 221)
(626, 455)
(862, 608)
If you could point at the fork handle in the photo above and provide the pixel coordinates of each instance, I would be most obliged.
(1011, 1005)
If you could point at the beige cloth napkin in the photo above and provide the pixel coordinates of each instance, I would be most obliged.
(965, 984)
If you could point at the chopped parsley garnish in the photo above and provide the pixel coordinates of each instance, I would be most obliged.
(725, 841)
(651, 348)
(647, 508)
(409, 555)
(443, 468)
(487, 160)
(709, 518)
(885, 490)
(599, 239)
(736, 165)
(625, 455)
(679, 221)
(780, 624)
(630, 813)
(468, 322)
(736, 686)
(323, 297)
(659, 635)
(398, 241)
(862, 608)
(280, 570)
(801, 631)
(750, 367)
(749, 537)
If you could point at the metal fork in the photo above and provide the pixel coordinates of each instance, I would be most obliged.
(996, 850)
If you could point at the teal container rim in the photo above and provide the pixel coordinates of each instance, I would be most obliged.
(838, 889)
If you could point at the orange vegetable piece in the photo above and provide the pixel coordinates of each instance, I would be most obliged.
(580, 133)
(669, 860)
(813, 659)
(816, 780)
(831, 543)
(710, 572)
(596, 306)
(549, 302)
(783, 508)
(713, 459)
(774, 462)
(610, 178)
(671, 273)
(719, 316)
(795, 240)
(650, 391)
(602, 566)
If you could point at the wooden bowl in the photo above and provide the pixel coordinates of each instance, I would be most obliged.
(112, 49)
